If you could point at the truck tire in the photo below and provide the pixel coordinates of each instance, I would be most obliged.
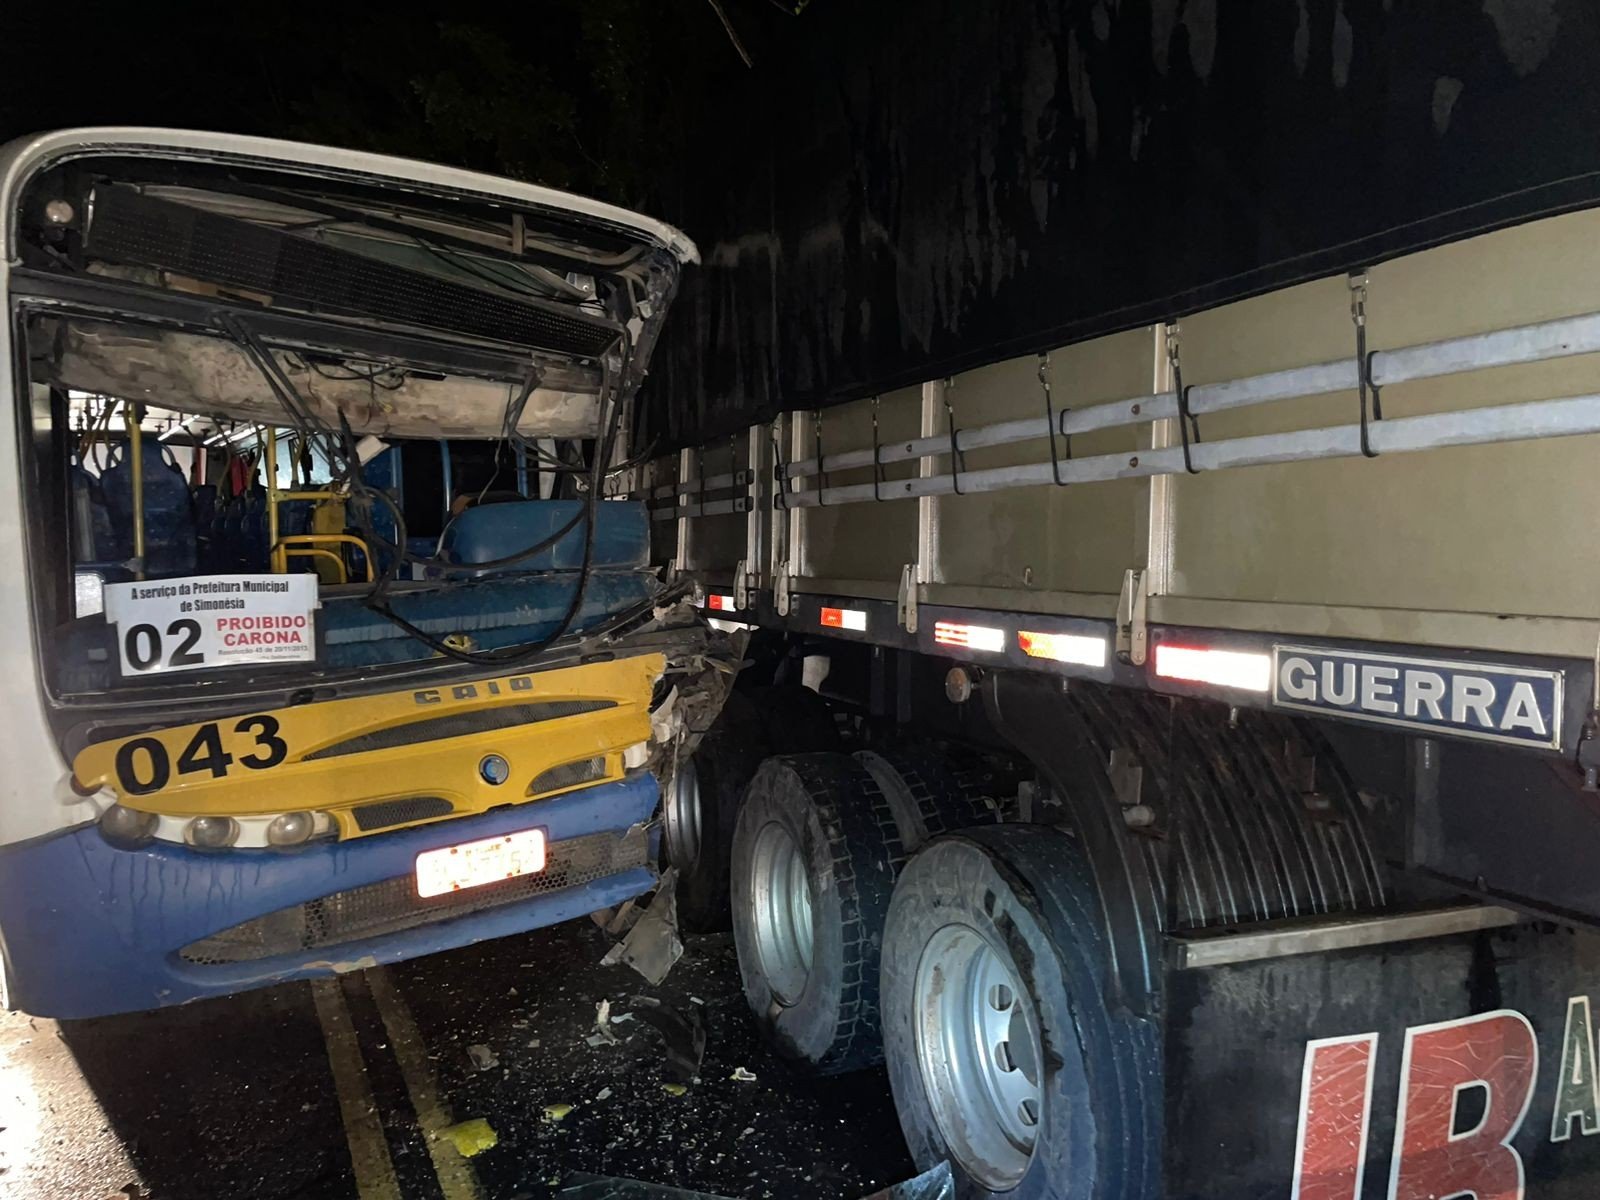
(815, 856)
(1004, 1056)
(926, 794)
(700, 807)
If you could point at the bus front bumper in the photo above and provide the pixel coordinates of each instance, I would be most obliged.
(89, 929)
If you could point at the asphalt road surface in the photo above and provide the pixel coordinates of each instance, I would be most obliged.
(350, 1088)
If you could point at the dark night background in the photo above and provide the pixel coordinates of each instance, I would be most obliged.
(899, 189)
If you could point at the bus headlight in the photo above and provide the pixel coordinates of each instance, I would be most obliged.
(128, 828)
(212, 833)
(291, 829)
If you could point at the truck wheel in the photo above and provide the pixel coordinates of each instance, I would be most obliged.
(926, 795)
(815, 856)
(1004, 1057)
(700, 807)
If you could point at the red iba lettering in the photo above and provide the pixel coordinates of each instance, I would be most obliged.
(1494, 1055)
(1335, 1117)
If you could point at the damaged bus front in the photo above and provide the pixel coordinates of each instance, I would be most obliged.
(328, 644)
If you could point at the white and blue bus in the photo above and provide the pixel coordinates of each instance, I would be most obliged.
(327, 642)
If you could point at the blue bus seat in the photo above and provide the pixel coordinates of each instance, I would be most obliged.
(253, 529)
(230, 546)
(169, 533)
(491, 532)
(499, 611)
(106, 547)
(204, 504)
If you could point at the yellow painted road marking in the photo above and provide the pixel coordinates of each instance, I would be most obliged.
(457, 1180)
(369, 1151)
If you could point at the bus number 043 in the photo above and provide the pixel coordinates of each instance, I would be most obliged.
(144, 764)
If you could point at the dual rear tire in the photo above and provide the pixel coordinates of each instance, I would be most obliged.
(701, 802)
(821, 840)
(815, 857)
(1004, 1056)
(976, 967)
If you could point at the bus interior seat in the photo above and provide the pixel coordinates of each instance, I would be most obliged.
(169, 528)
(492, 532)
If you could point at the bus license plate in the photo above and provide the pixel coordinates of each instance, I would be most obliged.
(473, 864)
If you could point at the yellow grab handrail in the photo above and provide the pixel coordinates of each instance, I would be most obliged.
(303, 545)
(318, 552)
(134, 418)
(306, 544)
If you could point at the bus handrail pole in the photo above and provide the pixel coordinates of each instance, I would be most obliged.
(135, 415)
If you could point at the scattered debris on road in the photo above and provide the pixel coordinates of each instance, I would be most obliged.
(483, 1058)
(741, 1075)
(471, 1137)
(617, 921)
(603, 1034)
(652, 945)
(684, 1037)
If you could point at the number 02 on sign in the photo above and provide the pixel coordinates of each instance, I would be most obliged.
(197, 623)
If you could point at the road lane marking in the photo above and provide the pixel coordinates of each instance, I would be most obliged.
(369, 1149)
(457, 1180)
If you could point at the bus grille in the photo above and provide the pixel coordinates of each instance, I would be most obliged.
(393, 905)
(383, 813)
(568, 775)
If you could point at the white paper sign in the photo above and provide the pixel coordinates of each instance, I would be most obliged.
(209, 621)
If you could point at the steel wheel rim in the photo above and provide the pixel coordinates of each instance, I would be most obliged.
(682, 816)
(977, 1048)
(780, 896)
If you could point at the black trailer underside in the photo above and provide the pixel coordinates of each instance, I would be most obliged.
(903, 190)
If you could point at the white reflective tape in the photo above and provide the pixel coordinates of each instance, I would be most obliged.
(1225, 668)
(1084, 650)
(970, 637)
(844, 618)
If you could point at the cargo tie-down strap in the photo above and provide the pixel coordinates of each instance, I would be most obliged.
(1050, 420)
(1364, 383)
(1188, 424)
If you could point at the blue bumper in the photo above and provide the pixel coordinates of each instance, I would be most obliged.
(89, 930)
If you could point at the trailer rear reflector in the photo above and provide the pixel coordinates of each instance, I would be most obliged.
(1078, 648)
(970, 637)
(1225, 668)
(845, 618)
(721, 603)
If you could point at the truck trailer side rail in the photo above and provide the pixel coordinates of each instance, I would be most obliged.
(1368, 436)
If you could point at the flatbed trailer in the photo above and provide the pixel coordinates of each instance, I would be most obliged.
(1278, 618)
